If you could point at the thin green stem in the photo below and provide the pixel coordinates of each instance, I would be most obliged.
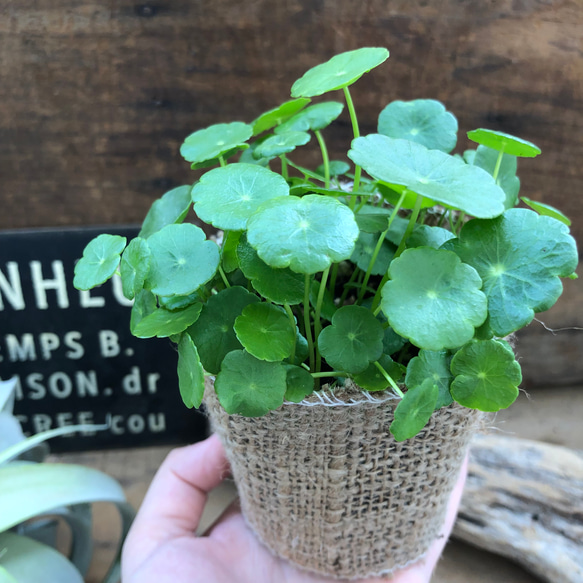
(390, 380)
(222, 161)
(224, 277)
(378, 246)
(459, 223)
(325, 158)
(498, 164)
(356, 133)
(307, 324)
(284, 171)
(377, 297)
(329, 373)
(410, 226)
(333, 277)
(347, 287)
(317, 322)
(292, 320)
(377, 311)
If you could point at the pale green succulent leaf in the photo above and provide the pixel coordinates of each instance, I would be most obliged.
(212, 142)
(99, 262)
(279, 144)
(315, 118)
(163, 323)
(134, 267)
(279, 115)
(546, 210)
(503, 142)
(171, 208)
(190, 373)
(414, 410)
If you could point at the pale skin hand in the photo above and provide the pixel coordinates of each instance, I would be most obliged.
(161, 546)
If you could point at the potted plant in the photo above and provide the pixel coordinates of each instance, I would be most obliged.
(35, 495)
(350, 322)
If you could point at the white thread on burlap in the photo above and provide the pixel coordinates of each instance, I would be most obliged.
(328, 398)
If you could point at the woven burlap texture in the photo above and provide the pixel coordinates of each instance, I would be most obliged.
(329, 489)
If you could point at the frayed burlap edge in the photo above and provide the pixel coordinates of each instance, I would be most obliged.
(324, 484)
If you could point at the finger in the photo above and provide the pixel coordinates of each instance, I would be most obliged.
(175, 500)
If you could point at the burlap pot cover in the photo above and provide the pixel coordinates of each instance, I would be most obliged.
(325, 485)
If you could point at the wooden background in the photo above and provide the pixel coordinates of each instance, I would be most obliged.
(97, 96)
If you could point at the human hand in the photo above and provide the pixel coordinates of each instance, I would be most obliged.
(162, 547)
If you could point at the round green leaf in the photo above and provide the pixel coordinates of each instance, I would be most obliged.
(99, 262)
(429, 173)
(181, 260)
(213, 332)
(217, 161)
(353, 340)
(300, 383)
(190, 373)
(249, 386)
(164, 323)
(214, 141)
(373, 219)
(414, 410)
(504, 143)
(433, 299)
(315, 118)
(265, 332)
(144, 304)
(426, 236)
(340, 71)
(435, 367)
(227, 197)
(167, 210)
(372, 379)
(487, 159)
(281, 144)
(305, 234)
(281, 286)
(134, 267)
(520, 257)
(231, 240)
(546, 210)
(424, 121)
(363, 251)
(279, 115)
(337, 168)
(178, 302)
(486, 376)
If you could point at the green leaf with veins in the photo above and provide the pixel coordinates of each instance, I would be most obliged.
(167, 210)
(433, 299)
(134, 267)
(229, 250)
(226, 197)
(173, 303)
(305, 234)
(279, 115)
(486, 375)
(520, 257)
(281, 144)
(391, 340)
(182, 260)
(281, 286)
(265, 331)
(432, 174)
(434, 366)
(190, 373)
(249, 386)
(328, 308)
(213, 332)
(315, 118)
(300, 383)
(363, 251)
(373, 219)
(99, 262)
(164, 323)
(340, 71)
(414, 410)
(487, 159)
(506, 143)
(144, 304)
(216, 161)
(425, 236)
(353, 340)
(424, 121)
(372, 379)
(214, 141)
(546, 210)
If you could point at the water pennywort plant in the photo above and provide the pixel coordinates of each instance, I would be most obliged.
(404, 272)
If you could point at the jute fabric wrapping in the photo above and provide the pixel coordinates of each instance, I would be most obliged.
(329, 489)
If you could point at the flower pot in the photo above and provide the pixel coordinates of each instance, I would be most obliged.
(324, 484)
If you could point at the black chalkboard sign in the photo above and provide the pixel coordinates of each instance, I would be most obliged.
(73, 355)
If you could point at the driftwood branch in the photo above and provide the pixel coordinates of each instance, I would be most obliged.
(524, 500)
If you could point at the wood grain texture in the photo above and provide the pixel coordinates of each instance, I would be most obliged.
(96, 97)
(523, 501)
